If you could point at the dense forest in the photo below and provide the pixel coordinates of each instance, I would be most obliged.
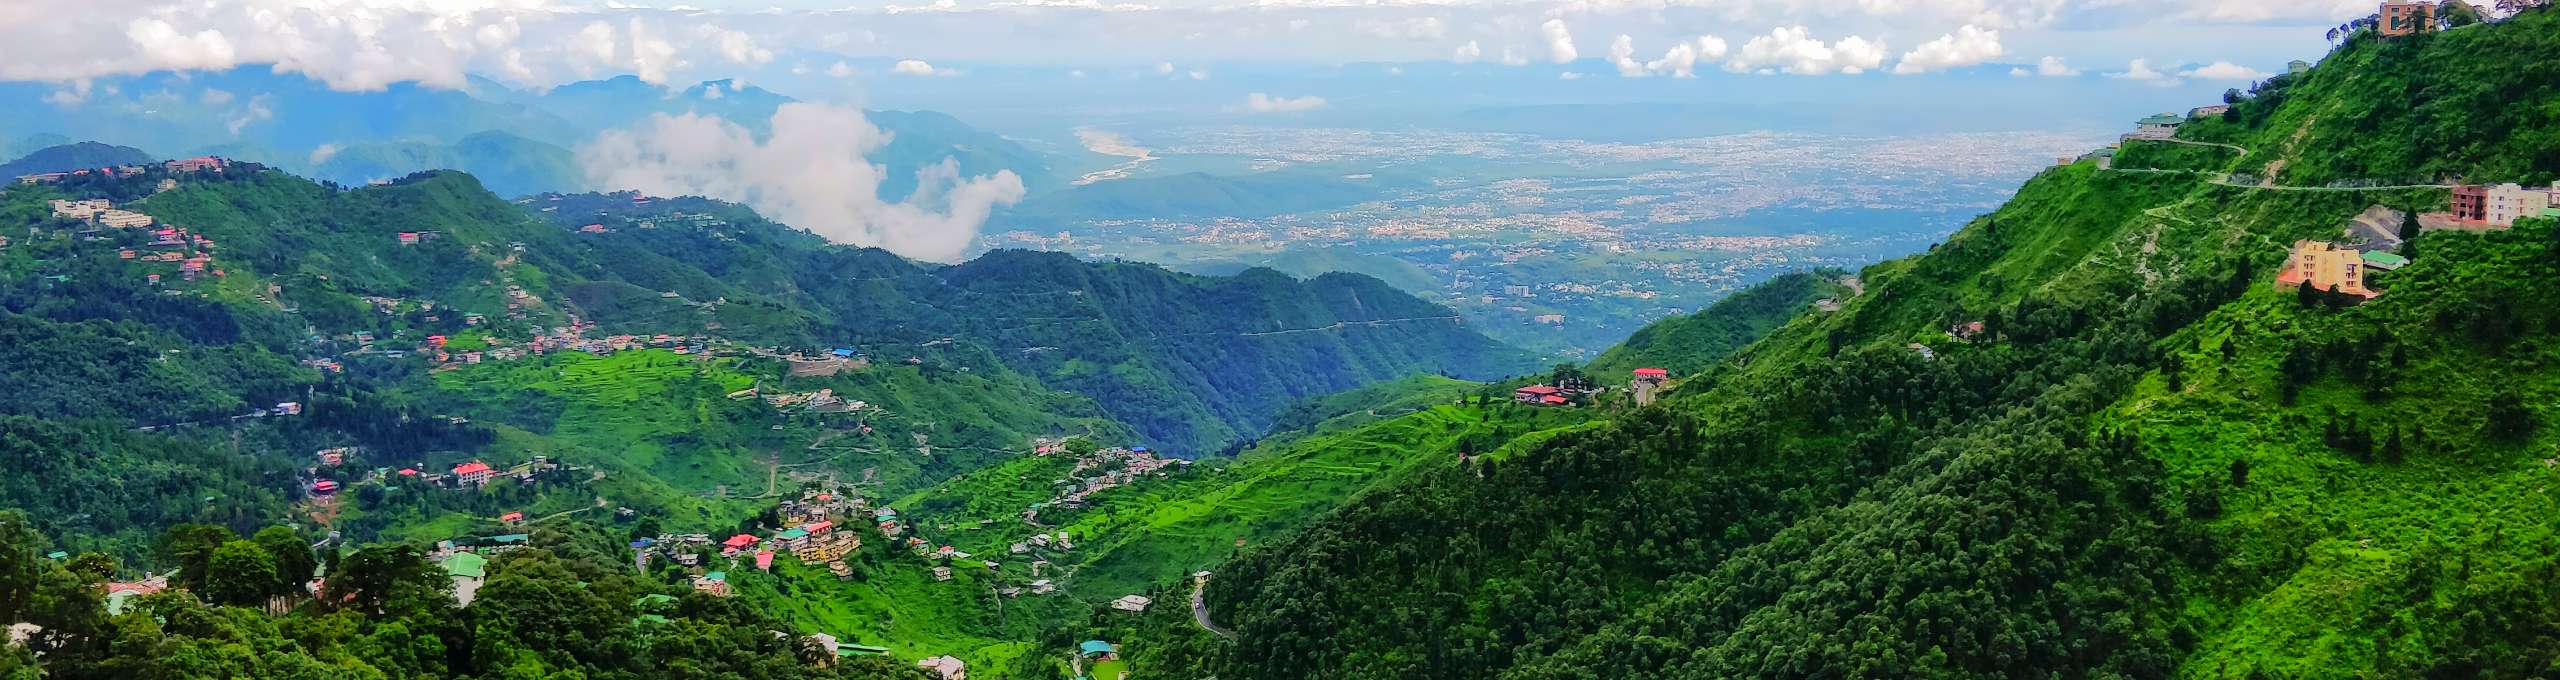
(2147, 461)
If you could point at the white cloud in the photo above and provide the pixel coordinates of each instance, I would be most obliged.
(841, 70)
(1263, 103)
(1622, 53)
(809, 173)
(1792, 49)
(1164, 68)
(2053, 67)
(1967, 46)
(1467, 53)
(736, 46)
(2223, 70)
(323, 153)
(1415, 28)
(1681, 61)
(1559, 41)
(2140, 70)
(918, 67)
(1568, 75)
(1511, 56)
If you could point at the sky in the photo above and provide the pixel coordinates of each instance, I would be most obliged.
(368, 44)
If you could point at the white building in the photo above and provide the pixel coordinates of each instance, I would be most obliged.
(948, 667)
(80, 210)
(1132, 603)
(2511, 202)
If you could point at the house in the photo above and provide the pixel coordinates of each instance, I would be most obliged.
(324, 487)
(512, 518)
(2406, 18)
(942, 573)
(840, 569)
(793, 538)
(1535, 394)
(1647, 383)
(467, 571)
(80, 210)
(120, 595)
(197, 164)
(818, 528)
(716, 584)
(737, 544)
(2208, 111)
(948, 668)
(474, 473)
(2324, 266)
(2157, 126)
(764, 560)
(123, 219)
(1097, 650)
(408, 238)
(1043, 587)
(1132, 603)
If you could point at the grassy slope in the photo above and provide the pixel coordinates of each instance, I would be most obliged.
(2337, 563)
(1131, 537)
(1692, 344)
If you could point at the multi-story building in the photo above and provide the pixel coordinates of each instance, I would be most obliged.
(2406, 18)
(2507, 203)
(2325, 266)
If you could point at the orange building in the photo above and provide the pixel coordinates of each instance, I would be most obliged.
(2326, 267)
(2406, 18)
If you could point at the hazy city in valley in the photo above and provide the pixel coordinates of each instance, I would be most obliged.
(1279, 340)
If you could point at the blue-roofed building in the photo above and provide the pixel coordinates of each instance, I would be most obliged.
(843, 352)
(1097, 649)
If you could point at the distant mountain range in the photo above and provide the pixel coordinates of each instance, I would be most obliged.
(516, 141)
(74, 156)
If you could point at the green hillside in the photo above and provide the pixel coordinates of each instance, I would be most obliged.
(1688, 345)
(2148, 463)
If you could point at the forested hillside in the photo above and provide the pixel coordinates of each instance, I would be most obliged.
(79, 156)
(2148, 462)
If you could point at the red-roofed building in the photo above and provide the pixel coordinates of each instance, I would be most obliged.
(1553, 400)
(819, 528)
(408, 472)
(512, 518)
(473, 473)
(324, 487)
(1654, 373)
(764, 560)
(1535, 393)
(738, 543)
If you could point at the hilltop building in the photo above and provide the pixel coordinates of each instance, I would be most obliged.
(474, 473)
(2325, 266)
(2157, 126)
(467, 570)
(1543, 395)
(2406, 18)
(1647, 384)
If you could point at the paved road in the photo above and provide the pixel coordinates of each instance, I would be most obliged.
(1200, 612)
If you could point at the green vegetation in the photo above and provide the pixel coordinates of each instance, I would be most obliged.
(2421, 109)
(560, 609)
(1693, 344)
(2147, 463)
(2140, 154)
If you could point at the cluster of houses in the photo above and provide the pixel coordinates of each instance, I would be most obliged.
(180, 166)
(811, 534)
(191, 252)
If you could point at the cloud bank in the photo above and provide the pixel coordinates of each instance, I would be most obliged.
(1263, 103)
(1794, 50)
(810, 173)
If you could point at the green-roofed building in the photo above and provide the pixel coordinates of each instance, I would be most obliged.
(792, 534)
(508, 539)
(2375, 259)
(466, 565)
(861, 650)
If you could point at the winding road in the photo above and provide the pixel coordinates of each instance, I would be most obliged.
(1200, 611)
